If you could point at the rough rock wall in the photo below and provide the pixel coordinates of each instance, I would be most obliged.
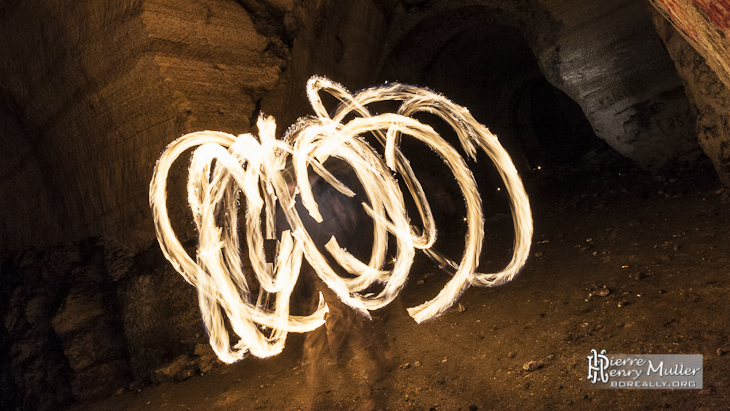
(88, 326)
(95, 90)
(609, 60)
(709, 96)
(86, 320)
(34, 373)
(605, 55)
(705, 24)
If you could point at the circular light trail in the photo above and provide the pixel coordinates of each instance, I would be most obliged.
(225, 167)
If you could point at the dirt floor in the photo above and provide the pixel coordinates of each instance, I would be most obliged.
(622, 260)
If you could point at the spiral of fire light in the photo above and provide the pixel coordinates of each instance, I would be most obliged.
(224, 167)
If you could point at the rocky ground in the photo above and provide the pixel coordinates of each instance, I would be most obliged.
(622, 260)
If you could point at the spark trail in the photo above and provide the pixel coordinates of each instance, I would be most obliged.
(224, 167)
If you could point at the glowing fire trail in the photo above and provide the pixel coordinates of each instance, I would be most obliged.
(225, 166)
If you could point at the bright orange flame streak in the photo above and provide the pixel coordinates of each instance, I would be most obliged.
(254, 168)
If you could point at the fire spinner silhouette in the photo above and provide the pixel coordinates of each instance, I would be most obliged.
(273, 174)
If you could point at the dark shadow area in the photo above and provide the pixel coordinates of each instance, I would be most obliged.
(549, 125)
(491, 70)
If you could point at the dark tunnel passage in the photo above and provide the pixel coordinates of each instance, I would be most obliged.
(491, 70)
(550, 125)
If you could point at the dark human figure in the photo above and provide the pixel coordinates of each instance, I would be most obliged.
(349, 348)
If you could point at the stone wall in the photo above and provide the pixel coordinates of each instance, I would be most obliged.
(710, 97)
(611, 62)
(604, 55)
(86, 320)
(96, 90)
(705, 24)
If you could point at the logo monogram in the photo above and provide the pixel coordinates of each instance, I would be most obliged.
(597, 366)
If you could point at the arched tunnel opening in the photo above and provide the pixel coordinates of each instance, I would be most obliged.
(551, 125)
(492, 71)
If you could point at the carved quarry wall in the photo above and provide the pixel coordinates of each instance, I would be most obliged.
(97, 89)
(695, 34)
(623, 79)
